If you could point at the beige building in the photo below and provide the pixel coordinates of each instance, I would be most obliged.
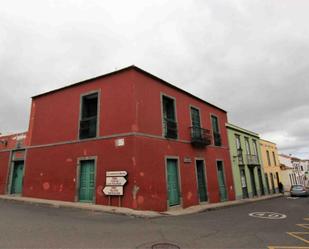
(271, 165)
(293, 171)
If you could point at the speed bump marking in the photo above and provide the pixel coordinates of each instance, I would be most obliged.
(300, 235)
(268, 215)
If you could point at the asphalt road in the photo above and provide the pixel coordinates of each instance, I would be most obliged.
(30, 226)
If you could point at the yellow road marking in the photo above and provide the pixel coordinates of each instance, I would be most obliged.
(296, 235)
(306, 226)
(287, 247)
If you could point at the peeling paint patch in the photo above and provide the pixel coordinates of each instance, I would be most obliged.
(85, 152)
(46, 185)
(134, 161)
(134, 127)
(189, 195)
(100, 190)
(141, 173)
(140, 200)
(69, 160)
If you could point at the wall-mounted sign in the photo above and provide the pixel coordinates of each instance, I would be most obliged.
(116, 173)
(119, 142)
(114, 182)
(113, 190)
(187, 159)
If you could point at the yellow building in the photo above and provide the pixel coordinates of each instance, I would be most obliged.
(271, 165)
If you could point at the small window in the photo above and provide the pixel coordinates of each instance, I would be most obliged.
(169, 118)
(89, 116)
(268, 157)
(215, 130)
(248, 150)
(274, 157)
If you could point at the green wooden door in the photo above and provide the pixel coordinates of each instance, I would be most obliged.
(221, 182)
(253, 184)
(17, 177)
(202, 190)
(86, 181)
(173, 184)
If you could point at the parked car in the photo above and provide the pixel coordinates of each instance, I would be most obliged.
(299, 190)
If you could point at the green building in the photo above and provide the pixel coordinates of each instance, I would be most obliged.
(246, 160)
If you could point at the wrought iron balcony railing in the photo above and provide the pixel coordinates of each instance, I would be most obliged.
(170, 128)
(200, 137)
(252, 159)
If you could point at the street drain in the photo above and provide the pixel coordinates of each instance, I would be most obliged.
(165, 246)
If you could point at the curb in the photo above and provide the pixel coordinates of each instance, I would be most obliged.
(132, 212)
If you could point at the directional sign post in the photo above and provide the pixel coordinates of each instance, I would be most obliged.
(116, 173)
(113, 190)
(114, 183)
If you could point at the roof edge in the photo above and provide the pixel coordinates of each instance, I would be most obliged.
(125, 69)
(238, 128)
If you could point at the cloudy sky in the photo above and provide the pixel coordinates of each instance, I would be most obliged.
(249, 57)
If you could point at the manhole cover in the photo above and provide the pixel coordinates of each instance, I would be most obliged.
(165, 246)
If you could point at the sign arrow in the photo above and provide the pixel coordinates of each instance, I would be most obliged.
(113, 190)
(115, 181)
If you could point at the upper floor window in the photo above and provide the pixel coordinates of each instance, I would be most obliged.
(255, 149)
(169, 117)
(196, 122)
(238, 144)
(268, 157)
(248, 150)
(274, 157)
(215, 130)
(88, 116)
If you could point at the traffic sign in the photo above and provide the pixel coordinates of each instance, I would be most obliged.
(115, 181)
(113, 190)
(116, 173)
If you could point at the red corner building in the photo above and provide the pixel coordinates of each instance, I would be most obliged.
(172, 145)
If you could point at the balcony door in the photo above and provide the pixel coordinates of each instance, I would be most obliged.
(196, 123)
(169, 117)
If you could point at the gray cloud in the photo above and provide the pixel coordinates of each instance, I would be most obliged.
(249, 57)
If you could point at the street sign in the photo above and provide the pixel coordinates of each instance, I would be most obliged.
(115, 181)
(113, 190)
(116, 173)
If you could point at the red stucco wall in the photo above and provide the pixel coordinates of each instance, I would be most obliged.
(130, 102)
(4, 164)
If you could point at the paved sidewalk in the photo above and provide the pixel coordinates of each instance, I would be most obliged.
(132, 212)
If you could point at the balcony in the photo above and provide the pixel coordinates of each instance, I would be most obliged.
(170, 128)
(200, 137)
(252, 159)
